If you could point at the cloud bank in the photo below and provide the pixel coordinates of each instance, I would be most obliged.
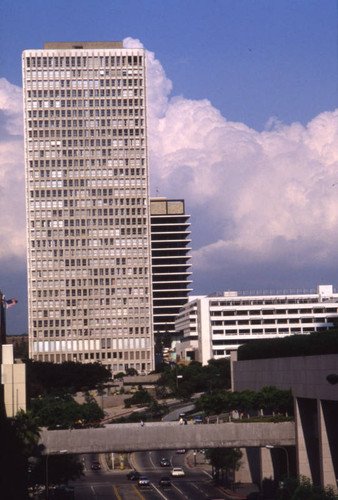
(266, 200)
(12, 175)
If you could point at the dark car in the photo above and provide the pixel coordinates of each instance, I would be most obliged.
(164, 482)
(198, 419)
(143, 481)
(96, 466)
(165, 462)
(133, 475)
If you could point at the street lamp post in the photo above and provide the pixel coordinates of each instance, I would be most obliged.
(271, 446)
(178, 377)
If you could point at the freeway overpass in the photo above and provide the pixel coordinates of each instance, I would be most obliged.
(167, 436)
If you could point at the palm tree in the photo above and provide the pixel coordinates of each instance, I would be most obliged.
(27, 432)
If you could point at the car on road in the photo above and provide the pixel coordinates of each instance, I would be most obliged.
(180, 451)
(143, 481)
(164, 482)
(177, 472)
(198, 419)
(95, 466)
(165, 462)
(133, 475)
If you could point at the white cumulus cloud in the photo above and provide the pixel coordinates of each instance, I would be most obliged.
(12, 173)
(255, 197)
(266, 196)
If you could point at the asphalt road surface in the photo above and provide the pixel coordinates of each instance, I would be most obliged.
(114, 485)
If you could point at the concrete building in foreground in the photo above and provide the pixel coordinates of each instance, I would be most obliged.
(13, 381)
(214, 326)
(88, 220)
(313, 382)
(170, 248)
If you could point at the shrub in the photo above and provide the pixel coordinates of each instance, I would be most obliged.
(295, 345)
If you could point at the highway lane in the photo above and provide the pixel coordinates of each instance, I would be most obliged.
(196, 484)
(114, 485)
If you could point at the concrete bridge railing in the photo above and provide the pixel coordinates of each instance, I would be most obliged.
(167, 436)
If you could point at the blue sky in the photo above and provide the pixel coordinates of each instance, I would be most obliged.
(252, 59)
(248, 134)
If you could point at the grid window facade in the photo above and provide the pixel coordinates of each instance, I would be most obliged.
(224, 322)
(87, 192)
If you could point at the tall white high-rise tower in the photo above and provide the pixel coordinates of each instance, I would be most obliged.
(88, 221)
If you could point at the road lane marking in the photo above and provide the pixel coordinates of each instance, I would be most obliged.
(176, 488)
(138, 492)
(151, 460)
(199, 489)
(160, 492)
(116, 493)
(207, 473)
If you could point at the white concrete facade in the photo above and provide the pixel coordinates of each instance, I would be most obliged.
(87, 192)
(13, 378)
(213, 326)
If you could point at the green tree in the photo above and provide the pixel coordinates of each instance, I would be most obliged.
(27, 431)
(224, 461)
(139, 397)
(243, 402)
(196, 378)
(157, 410)
(304, 489)
(308, 491)
(60, 469)
(131, 372)
(214, 404)
(21, 347)
(48, 378)
(269, 399)
(64, 411)
(162, 340)
(218, 374)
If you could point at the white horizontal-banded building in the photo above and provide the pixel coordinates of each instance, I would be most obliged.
(213, 326)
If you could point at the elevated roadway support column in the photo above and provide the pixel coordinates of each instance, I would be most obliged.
(328, 442)
(267, 466)
(250, 469)
(307, 431)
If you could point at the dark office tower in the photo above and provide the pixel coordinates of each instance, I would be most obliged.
(88, 221)
(170, 247)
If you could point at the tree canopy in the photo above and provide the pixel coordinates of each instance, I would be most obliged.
(295, 345)
(269, 399)
(224, 460)
(184, 380)
(63, 411)
(47, 378)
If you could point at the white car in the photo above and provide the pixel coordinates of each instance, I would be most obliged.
(177, 471)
